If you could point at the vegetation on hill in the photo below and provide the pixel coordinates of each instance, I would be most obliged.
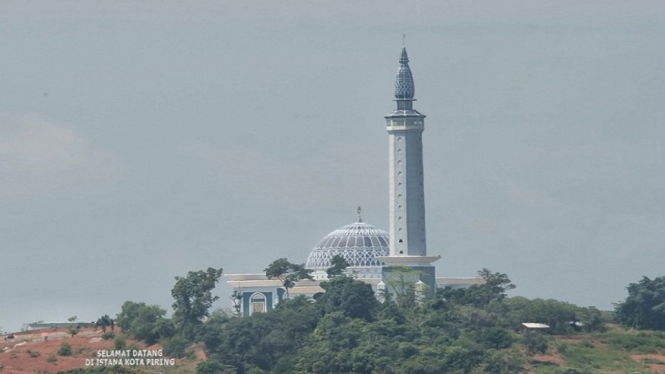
(346, 330)
(644, 308)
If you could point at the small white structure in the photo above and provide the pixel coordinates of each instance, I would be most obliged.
(534, 326)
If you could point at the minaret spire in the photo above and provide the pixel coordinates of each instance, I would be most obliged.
(404, 86)
(360, 219)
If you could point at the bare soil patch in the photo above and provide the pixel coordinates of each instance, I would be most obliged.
(655, 362)
(28, 352)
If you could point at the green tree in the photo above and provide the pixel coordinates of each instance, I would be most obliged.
(193, 300)
(337, 266)
(104, 322)
(352, 297)
(266, 341)
(558, 315)
(402, 282)
(287, 273)
(495, 337)
(236, 299)
(144, 322)
(494, 288)
(644, 308)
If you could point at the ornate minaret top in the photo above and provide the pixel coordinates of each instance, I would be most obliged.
(404, 87)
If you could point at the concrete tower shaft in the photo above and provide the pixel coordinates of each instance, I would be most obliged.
(407, 195)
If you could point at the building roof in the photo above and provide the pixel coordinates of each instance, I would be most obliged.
(464, 281)
(307, 290)
(532, 325)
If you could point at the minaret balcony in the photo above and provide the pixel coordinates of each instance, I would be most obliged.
(405, 124)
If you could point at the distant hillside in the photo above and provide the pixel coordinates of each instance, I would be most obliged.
(29, 352)
(617, 351)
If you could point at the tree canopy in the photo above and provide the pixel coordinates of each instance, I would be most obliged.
(288, 273)
(104, 322)
(337, 266)
(345, 330)
(193, 299)
(644, 308)
(144, 322)
(355, 299)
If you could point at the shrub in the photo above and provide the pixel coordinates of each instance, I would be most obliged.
(562, 347)
(33, 354)
(51, 359)
(144, 322)
(535, 342)
(120, 342)
(175, 346)
(108, 335)
(209, 367)
(65, 350)
(643, 341)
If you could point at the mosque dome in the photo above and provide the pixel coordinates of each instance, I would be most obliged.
(358, 243)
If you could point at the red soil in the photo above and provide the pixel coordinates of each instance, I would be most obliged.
(656, 368)
(28, 352)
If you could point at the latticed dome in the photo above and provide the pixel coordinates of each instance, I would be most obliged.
(359, 243)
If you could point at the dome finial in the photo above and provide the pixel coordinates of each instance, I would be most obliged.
(359, 210)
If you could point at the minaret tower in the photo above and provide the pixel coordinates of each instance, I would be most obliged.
(407, 196)
(405, 127)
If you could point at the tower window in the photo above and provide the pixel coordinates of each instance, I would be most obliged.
(400, 240)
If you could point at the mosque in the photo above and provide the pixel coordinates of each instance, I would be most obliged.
(372, 253)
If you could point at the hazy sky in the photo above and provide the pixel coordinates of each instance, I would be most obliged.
(140, 140)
